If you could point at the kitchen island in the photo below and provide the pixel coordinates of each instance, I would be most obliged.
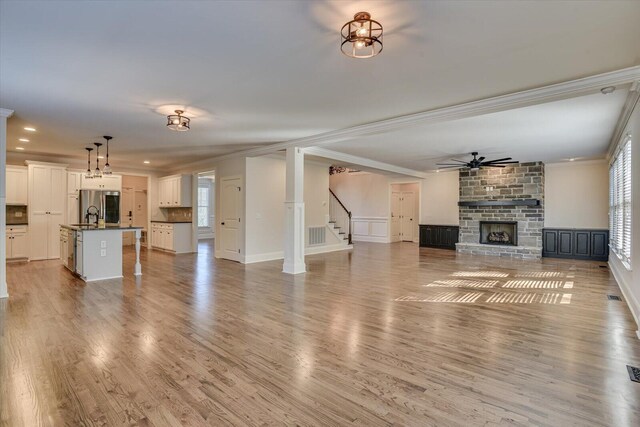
(95, 253)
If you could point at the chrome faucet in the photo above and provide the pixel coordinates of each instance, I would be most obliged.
(92, 211)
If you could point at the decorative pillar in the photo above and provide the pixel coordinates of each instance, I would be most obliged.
(294, 213)
(4, 115)
(137, 271)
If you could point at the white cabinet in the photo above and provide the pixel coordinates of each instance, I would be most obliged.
(174, 191)
(175, 237)
(72, 209)
(107, 182)
(74, 182)
(47, 184)
(17, 242)
(16, 185)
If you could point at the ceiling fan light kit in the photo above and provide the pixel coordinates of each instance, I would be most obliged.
(477, 162)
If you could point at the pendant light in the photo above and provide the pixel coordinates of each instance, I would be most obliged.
(178, 122)
(98, 172)
(361, 37)
(88, 174)
(106, 170)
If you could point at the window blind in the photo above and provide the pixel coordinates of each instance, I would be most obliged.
(620, 203)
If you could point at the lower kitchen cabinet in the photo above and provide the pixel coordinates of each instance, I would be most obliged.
(17, 242)
(439, 236)
(174, 237)
(588, 244)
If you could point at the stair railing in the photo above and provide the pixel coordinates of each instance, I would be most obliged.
(339, 214)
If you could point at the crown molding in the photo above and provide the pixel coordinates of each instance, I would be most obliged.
(630, 104)
(361, 161)
(6, 113)
(526, 98)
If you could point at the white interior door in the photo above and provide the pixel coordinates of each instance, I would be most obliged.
(395, 216)
(230, 193)
(407, 216)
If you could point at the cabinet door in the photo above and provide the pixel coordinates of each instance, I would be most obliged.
(53, 235)
(161, 192)
(90, 183)
(72, 209)
(112, 182)
(20, 245)
(168, 240)
(599, 241)
(79, 255)
(582, 243)
(58, 191)
(73, 182)
(565, 242)
(16, 186)
(40, 182)
(550, 242)
(39, 228)
(175, 191)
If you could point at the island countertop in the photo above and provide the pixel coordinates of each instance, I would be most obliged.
(95, 228)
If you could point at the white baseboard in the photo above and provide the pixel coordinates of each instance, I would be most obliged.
(625, 287)
(374, 239)
(103, 278)
(310, 250)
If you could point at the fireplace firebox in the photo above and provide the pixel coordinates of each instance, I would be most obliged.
(499, 233)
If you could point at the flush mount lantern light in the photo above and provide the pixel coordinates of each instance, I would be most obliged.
(178, 122)
(362, 37)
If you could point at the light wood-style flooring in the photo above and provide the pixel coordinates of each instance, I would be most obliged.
(381, 335)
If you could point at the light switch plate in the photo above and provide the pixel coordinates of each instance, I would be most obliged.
(103, 252)
(103, 243)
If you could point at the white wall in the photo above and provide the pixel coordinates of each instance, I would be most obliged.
(629, 280)
(439, 199)
(576, 195)
(265, 209)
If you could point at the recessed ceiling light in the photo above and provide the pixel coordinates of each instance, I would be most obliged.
(19, 148)
(146, 162)
(30, 129)
(23, 140)
(607, 90)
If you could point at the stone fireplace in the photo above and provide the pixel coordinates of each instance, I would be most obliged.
(502, 211)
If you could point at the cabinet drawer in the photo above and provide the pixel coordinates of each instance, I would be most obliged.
(17, 229)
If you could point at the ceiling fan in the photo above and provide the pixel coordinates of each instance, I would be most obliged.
(477, 163)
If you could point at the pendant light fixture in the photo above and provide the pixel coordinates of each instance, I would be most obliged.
(106, 170)
(88, 174)
(362, 37)
(98, 172)
(178, 122)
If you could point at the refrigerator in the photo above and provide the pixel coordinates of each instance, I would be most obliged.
(105, 203)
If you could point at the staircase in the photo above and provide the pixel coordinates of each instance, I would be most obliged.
(339, 218)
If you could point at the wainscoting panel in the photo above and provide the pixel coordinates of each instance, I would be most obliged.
(370, 229)
(575, 243)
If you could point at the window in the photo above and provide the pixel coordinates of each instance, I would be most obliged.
(620, 203)
(203, 205)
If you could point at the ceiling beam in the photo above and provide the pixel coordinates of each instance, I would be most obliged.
(362, 161)
(554, 92)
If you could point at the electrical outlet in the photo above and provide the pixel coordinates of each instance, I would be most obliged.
(18, 214)
(103, 252)
(103, 243)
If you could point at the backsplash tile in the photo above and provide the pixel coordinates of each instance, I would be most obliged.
(179, 214)
(16, 215)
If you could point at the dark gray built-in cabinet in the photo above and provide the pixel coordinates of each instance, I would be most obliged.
(439, 236)
(575, 243)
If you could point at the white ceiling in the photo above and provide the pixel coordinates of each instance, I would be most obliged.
(572, 128)
(257, 72)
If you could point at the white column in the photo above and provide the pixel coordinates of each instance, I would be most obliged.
(294, 213)
(4, 115)
(137, 271)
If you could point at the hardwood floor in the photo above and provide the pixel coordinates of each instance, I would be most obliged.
(385, 334)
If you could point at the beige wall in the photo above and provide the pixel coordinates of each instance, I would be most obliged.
(440, 193)
(576, 195)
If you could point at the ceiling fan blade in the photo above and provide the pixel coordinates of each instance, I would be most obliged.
(459, 161)
(500, 163)
(480, 159)
(492, 166)
(452, 167)
(450, 164)
(498, 160)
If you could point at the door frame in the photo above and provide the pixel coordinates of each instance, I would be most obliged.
(416, 238)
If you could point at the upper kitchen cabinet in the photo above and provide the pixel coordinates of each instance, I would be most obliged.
(16, 185)
(74, 182)
(107, 182)
(174, 191)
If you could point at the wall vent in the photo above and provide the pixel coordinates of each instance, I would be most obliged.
(317, 235)
(614, 297)
(634, 373)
